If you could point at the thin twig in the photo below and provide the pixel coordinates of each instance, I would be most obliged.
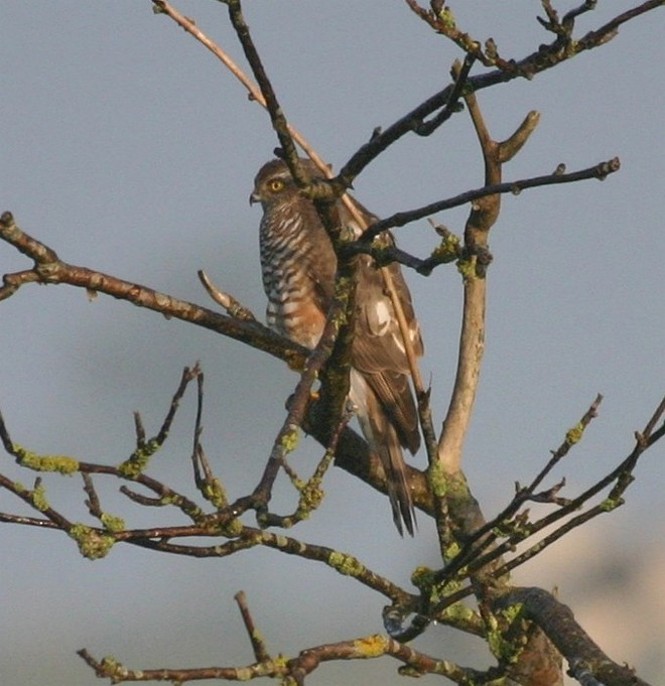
(486, 533)
(544, 58)
(233, 307)
(620, 476)
(258, 644)
(296, 669)
(253, 90)
(598, 171)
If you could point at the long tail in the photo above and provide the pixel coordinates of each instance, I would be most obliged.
(386, 444)
(384, 441)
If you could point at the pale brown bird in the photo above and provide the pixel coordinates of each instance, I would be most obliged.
(298, 266)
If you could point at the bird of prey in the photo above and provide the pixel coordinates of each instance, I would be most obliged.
(298, 267)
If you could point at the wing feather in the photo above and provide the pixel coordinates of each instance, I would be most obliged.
(378, 350)
(380, 383)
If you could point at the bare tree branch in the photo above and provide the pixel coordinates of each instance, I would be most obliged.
(545, 57)
(49, 269)
(598, 171)
(576, 646)
(519, 625)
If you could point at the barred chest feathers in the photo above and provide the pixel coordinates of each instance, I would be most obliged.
(288, 261)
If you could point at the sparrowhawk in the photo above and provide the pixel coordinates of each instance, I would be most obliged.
(298, 267)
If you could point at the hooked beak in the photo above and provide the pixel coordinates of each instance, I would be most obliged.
(254, 198)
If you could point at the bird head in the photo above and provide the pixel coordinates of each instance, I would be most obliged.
(274, 184)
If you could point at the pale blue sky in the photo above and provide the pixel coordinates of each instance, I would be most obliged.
(126, 147)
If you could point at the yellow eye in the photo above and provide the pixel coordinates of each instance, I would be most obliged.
(275, 185)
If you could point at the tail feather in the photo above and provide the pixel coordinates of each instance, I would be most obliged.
(399, 493)
(384, 441)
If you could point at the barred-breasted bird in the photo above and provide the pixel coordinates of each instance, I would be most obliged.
(298, 266)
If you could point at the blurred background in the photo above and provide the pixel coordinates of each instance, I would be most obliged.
(127, 148)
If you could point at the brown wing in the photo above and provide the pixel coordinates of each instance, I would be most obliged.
(380, 372)
(380, 430)
(378, 349)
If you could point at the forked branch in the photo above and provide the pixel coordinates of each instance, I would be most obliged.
(482, 217)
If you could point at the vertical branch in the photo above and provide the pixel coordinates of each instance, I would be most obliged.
(451, 495)
(483, 215)
(472, 336)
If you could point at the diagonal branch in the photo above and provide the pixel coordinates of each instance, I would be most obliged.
(542, 59)
(352, 452)
(284, 133)
(577, 647)
(599, 171)
(49, 269)
(485, 537)
(255, 93)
